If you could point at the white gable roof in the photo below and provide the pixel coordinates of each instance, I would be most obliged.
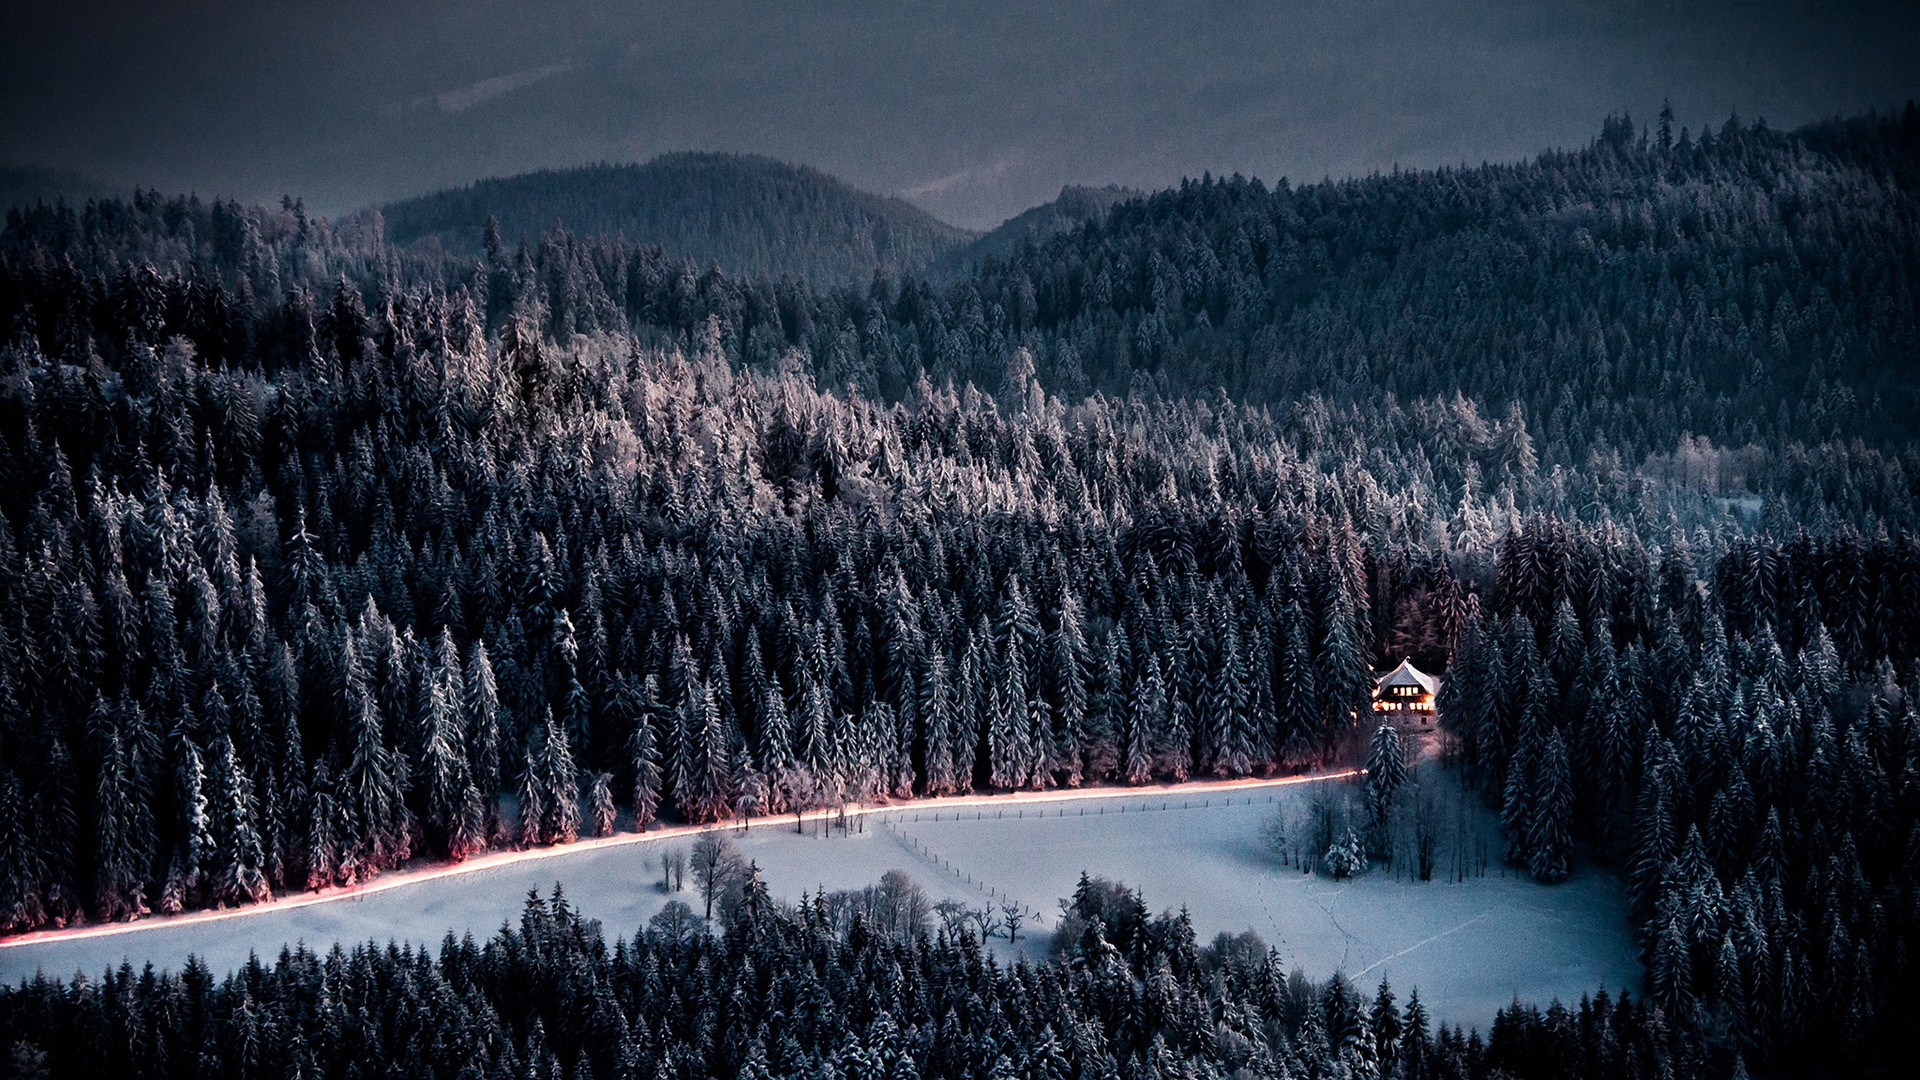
(1408, 675)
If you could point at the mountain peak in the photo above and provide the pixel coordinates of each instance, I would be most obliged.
(752, 215)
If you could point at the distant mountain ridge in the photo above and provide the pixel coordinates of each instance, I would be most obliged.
(1075, 206)
(754, 216)
(26, 186)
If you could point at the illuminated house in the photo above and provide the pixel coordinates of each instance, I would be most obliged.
(1406, 689)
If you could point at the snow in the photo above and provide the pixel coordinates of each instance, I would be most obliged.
(1470, 946)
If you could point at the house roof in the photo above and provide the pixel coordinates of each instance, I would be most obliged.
(1408, 675)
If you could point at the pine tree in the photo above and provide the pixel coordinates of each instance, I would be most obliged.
(1386, 778)
(813, 744)
(482, 722)
(1656, 844)
(1227, 704)
(1669, 973)
(194, 854)
(1069, 685)
(533, 794)
(1147, 713)
(1107, 710)
(1412, 1054)
(239, 877)
(971, 697)
(21, 906)
(122, 833)
(321, 851)
(371, 787)
(1296, 696)
(1551, 807)
(1464, 706)
(1516, 804)
(775, 750)
(559, 784)
(1008, 745)
(638, 706)
(1385, 1022)
(600, 804)
(1342, 675)
(444, 775)
(708, 793)
(942, 773)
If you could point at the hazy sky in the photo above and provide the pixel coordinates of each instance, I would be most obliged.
(974, 110)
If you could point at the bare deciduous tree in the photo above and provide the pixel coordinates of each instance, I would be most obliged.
(1012, 917)
(715, 861)
(1426, 835)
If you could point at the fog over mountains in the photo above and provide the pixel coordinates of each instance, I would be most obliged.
(974, 111)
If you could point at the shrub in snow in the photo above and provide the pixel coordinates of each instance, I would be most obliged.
(1347, 857)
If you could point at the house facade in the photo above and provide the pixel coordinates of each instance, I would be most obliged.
(1405, 695)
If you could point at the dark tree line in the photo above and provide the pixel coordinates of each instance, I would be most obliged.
(1739, 731)
(782, 993)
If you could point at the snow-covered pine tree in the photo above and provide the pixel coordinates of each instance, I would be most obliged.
(481, 718)
(1386, 778)
(1107, 706)
(239, 876)
(941, 773)
(1549, 829)
(533, 810)
(1147, 713)
(710, 794)
(1227, 707)
(638, 709)
(1067, 655)
(371, 788)
(1655, 843)
(194, 852)
(1009, 738)
(1516, 803)
(813, 730)
(122, 853)
(320, 852)
(1462, 704)
(1297, 697)
(444, 777)
(21, 904)
(559, 781)
(600, 804)
(1172, 737)
(1342, 675)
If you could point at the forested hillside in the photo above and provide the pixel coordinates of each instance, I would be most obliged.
(27, 186)
(754, 217)
(1075, 207)
(317, 554)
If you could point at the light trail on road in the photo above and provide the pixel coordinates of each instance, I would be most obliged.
(400, 879)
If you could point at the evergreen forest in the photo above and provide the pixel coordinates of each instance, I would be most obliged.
(321, 554)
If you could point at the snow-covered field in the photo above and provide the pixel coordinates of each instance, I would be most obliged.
(1470, 946)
